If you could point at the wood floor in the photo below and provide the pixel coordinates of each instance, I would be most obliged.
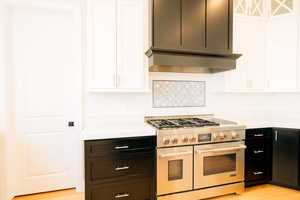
(263, 192)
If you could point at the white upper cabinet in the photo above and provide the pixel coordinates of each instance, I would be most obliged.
(116, 37)
(267, 34)
(102, 44)
(282, 46)
(130, 54)
(282, 50)
(250, 72)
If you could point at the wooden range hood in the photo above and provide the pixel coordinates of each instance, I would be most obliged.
(192, 36)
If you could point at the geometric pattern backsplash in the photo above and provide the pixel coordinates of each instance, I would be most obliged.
(172, 93)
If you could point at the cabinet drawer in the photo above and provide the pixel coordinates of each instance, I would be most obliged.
(101, 168)
(258, 134)
(125, 190)
(257, 151)
(119, 146)
(256, 171)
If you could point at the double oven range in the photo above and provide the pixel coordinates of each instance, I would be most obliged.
(198, 157)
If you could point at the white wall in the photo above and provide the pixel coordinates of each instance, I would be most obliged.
(251, 109)
(286, 110)
(246, 108)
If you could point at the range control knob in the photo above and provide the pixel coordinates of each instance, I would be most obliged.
(222, 136)
(234, 135)
(185, 139)
(166, 141)
(174, 140)
(193, 139)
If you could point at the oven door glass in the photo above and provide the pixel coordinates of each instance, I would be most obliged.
(213, 165)
(218, 164)
(174, 170)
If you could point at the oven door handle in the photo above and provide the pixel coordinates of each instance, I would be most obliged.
(175, 154)
(222, 149)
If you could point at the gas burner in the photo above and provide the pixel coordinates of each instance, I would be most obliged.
(162, 124)
(181, 123)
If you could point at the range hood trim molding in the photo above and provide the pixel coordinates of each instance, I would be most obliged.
(190, 63)
(153, 50)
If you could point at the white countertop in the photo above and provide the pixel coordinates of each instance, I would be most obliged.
(142, 129)
(134, 130)
(274, 124)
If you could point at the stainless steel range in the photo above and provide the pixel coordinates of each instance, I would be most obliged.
(198, 157)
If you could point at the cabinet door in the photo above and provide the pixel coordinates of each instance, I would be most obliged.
(193, 24)
(130, 36)
(101, 34)
(251, 66)
(130, 189)
(167, 24)
(258, 160)
(286, 157)
(219, 26)
(282, 50)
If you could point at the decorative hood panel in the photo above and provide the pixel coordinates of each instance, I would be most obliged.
(191, 36)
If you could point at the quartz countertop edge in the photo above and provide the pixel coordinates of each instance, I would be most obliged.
(274, 125)
(112, 133)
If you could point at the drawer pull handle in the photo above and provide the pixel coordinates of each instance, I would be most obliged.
(258, 135)
(121, 168)
(258, 173)
(118, 196)
(122, 147)
(258, 151)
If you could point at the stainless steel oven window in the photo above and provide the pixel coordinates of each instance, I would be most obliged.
(175, 170)
(219, 164)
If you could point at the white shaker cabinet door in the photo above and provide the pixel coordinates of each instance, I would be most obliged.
(282, 50)
(236, 79)
(250, 72)
(102, 46)
(130, 44)
(256, 54)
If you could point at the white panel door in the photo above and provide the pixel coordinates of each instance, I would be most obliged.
(102, 46)
(46, 58)
(282, 50)
(130, 44)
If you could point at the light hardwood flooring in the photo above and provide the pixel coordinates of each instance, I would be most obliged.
(263, 192)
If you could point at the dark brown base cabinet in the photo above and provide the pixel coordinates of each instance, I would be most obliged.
(258, 156)
(272, 156)
(120, 169)
(286, 157)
